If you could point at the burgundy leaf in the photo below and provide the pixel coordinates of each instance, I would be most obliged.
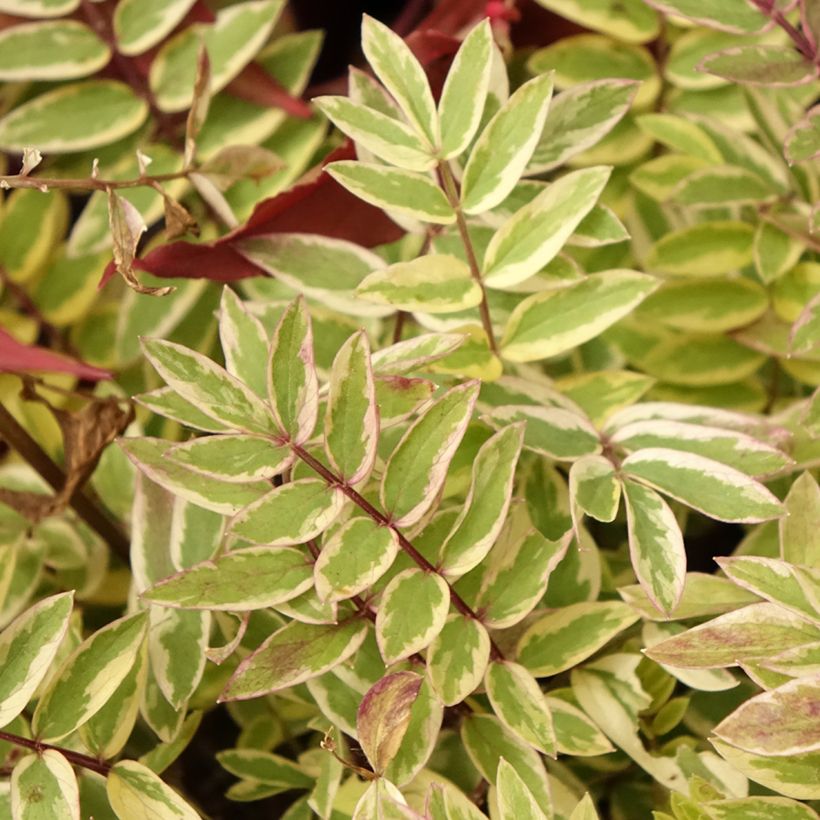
(16, 357)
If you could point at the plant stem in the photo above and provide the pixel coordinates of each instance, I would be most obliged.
(75, 758)
(451, 191)
(363, 504)
(88, 183)
(93, 515)
(801, 42)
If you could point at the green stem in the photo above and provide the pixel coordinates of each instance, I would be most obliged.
(451, 191)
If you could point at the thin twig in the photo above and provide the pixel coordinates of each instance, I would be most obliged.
(363, 504)
(801, 42)
(451, 191)
(94, 515)
(75, 758)
(88, 183)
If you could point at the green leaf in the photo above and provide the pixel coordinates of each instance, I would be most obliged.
(465, 91)
(485, 508)
(585, 810)
(579, 118)
(140, 24)
(737, 450)
(706, 485)
(781, 722)
(206, 491)
(415, 354)
(135, 791)
(384, 715)
(514, 577)
(88, 677)
(393, 189)
(720, 185)
(28, 646)
(598, 228)
(794, 587)
(436, 283)
(402, 75)
(352, 416)
(603, 392)
(353, 558)
(232, 458)
(803, 140)
(553, 432)
(293, 388)
(513, 796)
(412, 612)
(660, 177)
(679, 134)
(74, 117)
(27, 51)
(386, 137)
(705, 305)
(519, 703)
(418, 466)
(554, 321)
(44, 785)
(800, 527)
(487, 740)
(505, 146)
(631, 20)
(240, 581)
(805, 333)
(264, 767)
(38, 8)
(655, 546)
(232, 41)
(562, 639)
(532, 237)
(594, 487)
(290, 514)
(293, 654)
(775, 808)
(209, 387)
(457, 658)
(733, 15)
(755, 631)
(755, 64)
(384, 801)
(709, 249)
(244, 343)
(795, 776)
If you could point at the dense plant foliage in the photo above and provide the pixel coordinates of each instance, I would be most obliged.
(386, 480)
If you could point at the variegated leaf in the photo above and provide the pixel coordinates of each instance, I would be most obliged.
(708, 486)
(244, 343)
(412, 612)
(563, 638)
(293, 388)
(233, 458)
(800, 527)
(513, 797)
(28, 645)
(264, 767)
(89, 676)
(518, 701)
(293, 654)
(457, 658)
(418, 466)
(44, 786)
(594, 488)
(465, 91)
(532, 237)
(353, 558)
(384, 715)
(240, 581)
(485, 508)
(290, 514)
(575, 733)
(352, 416)
(416, 353)
(504, 148)
(209, 388)
(655, 546)
(402, 75)
(135, 791)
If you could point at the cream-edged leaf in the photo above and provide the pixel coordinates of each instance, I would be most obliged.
(44, 785)
(134, 791)
(457, 658)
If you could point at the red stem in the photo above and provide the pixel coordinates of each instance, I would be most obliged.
(75, 758)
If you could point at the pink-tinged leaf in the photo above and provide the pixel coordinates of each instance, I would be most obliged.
(775, 66)
(384, 715)
(318, 205)
(16, 357)
(255, 85)
(784, 721)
